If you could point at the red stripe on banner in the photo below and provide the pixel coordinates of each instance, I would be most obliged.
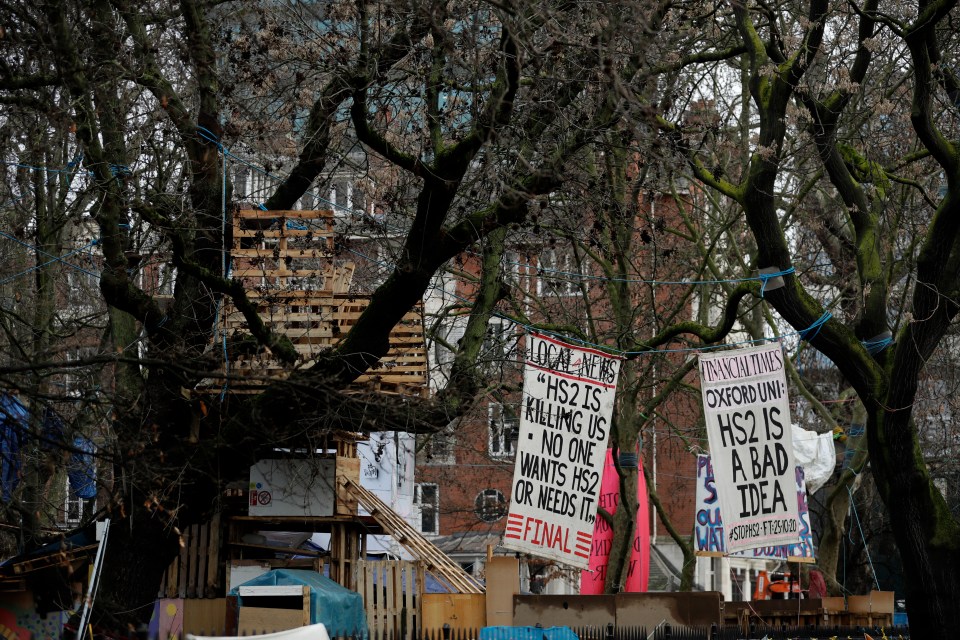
(581, 555)
(573, 346)
(515, 516)
(510, 535)
(572, 377)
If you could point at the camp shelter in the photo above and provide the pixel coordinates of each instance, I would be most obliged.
(339, 609)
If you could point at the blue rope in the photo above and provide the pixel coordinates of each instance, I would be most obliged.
(874, 347)
(225, 270)
(811, 332)
(866, 548)
(54, 258)
(814, 327)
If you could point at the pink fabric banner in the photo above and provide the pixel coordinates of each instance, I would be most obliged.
(638, 575)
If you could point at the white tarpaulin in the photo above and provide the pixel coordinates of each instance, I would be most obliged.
(568, 397)
(747, 415)
(313, 632)
(815, 453)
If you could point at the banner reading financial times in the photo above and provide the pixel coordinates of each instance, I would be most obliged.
(565, 413)
(747, 414)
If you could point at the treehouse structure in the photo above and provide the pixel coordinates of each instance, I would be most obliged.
(302, 288)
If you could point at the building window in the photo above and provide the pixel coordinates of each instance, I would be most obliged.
(560, 273)
(504, 430)
(499, 348)
(437, 448)
(490, 505)
(500, 340)
(74, 508)
(427, 498)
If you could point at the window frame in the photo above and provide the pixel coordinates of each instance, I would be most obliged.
(498, 432)
(434, 504)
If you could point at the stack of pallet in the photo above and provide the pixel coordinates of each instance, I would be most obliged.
(301, 289)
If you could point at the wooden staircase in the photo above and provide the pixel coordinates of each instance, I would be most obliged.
(435, 561)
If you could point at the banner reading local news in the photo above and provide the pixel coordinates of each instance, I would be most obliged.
(568, 395)
(747, 415)
(708, 527)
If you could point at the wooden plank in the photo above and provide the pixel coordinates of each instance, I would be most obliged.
(421, 589)
(172, 578)
(370, 597)
(184, 563)
(52, 560)
(202, 546)
(213, 557)
(193, 585)
(281, 233)
(396, 597)
(260, 214)
(280, 550)
(306, 605)
(269, 272)
(272, 590)
(277, 253)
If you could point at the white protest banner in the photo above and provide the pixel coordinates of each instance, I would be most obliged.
(568, 395)
(708, 527)
(747, 415)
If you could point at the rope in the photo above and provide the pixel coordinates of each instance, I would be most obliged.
(866, 548)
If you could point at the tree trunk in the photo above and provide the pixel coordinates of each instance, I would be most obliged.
(139, 550)
(927, 534)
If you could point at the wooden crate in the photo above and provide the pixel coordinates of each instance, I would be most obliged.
(258, 620)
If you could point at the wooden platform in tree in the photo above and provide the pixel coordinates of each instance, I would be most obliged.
(301, 288)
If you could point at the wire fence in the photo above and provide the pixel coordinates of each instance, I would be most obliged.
(609, 632)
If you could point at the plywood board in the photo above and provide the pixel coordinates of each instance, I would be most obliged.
(462, 611)
(503, 582)
(259, 620)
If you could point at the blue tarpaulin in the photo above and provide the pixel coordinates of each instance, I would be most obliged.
(527, 633)
(339, 609)
(82, 470)
(13, 426)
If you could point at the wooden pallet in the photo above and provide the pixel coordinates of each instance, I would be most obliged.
(392, 593)
(288, 263)
(317, 323)
(196, 572)
(287, 250)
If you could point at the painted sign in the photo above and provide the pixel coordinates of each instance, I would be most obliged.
(747, 415)
(568, 395)
(295, 487)
(708, 528)
(638, 571)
